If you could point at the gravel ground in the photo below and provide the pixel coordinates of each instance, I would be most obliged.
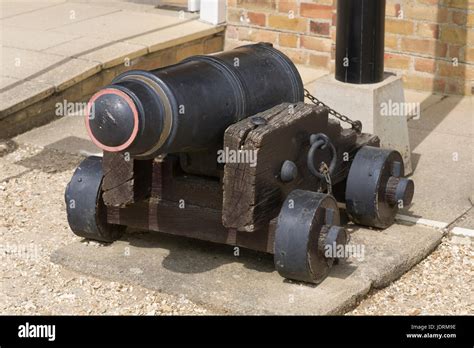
(442, 283)
(33, 224)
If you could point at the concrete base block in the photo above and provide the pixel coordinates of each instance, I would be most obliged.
(211, 275)
(380, 107)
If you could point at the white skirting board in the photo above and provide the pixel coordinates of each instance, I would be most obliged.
(213, 11)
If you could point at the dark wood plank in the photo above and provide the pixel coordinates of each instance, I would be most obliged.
(116, 170)
(126, 180)
(189, 221)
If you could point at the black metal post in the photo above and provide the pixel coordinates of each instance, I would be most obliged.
(360, 41)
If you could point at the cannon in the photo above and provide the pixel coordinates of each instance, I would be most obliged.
(223, 148)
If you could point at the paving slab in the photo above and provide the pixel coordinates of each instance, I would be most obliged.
(425, 98)
(169, 37)
(32, 39)
(19, 94)
(210, 274)
(68, 72)
(99, 50)
(467, 221)
(21, 64)
(115, 54)
(443, 174)
(442, 141)
(434, 117)
(106, 26)
(53, 17)
(5, 81)
(79, 46)
(309, 75)
(132, 6)
(11, 8)
(32, 75)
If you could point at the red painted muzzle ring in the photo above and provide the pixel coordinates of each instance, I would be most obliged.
(133, 107)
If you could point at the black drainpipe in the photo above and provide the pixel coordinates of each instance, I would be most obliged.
(360, 41)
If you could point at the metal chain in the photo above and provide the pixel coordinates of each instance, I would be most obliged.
(324, 169)
(356, 125)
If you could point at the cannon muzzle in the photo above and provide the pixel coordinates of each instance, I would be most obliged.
(187, 107)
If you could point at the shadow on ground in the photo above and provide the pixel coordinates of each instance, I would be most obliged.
(186, 255)
(443, 85)
(191, 256)
(53, 158)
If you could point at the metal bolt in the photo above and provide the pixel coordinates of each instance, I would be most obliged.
(258, 121)
(288, 171)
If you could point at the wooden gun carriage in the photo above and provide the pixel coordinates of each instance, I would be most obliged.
(269, 179)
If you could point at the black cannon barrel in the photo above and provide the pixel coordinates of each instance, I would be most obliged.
(360, 36)
(188, 106)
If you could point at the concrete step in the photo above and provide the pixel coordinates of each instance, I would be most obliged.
(57, 52)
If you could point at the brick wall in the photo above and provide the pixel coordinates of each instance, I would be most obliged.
(428, 42)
